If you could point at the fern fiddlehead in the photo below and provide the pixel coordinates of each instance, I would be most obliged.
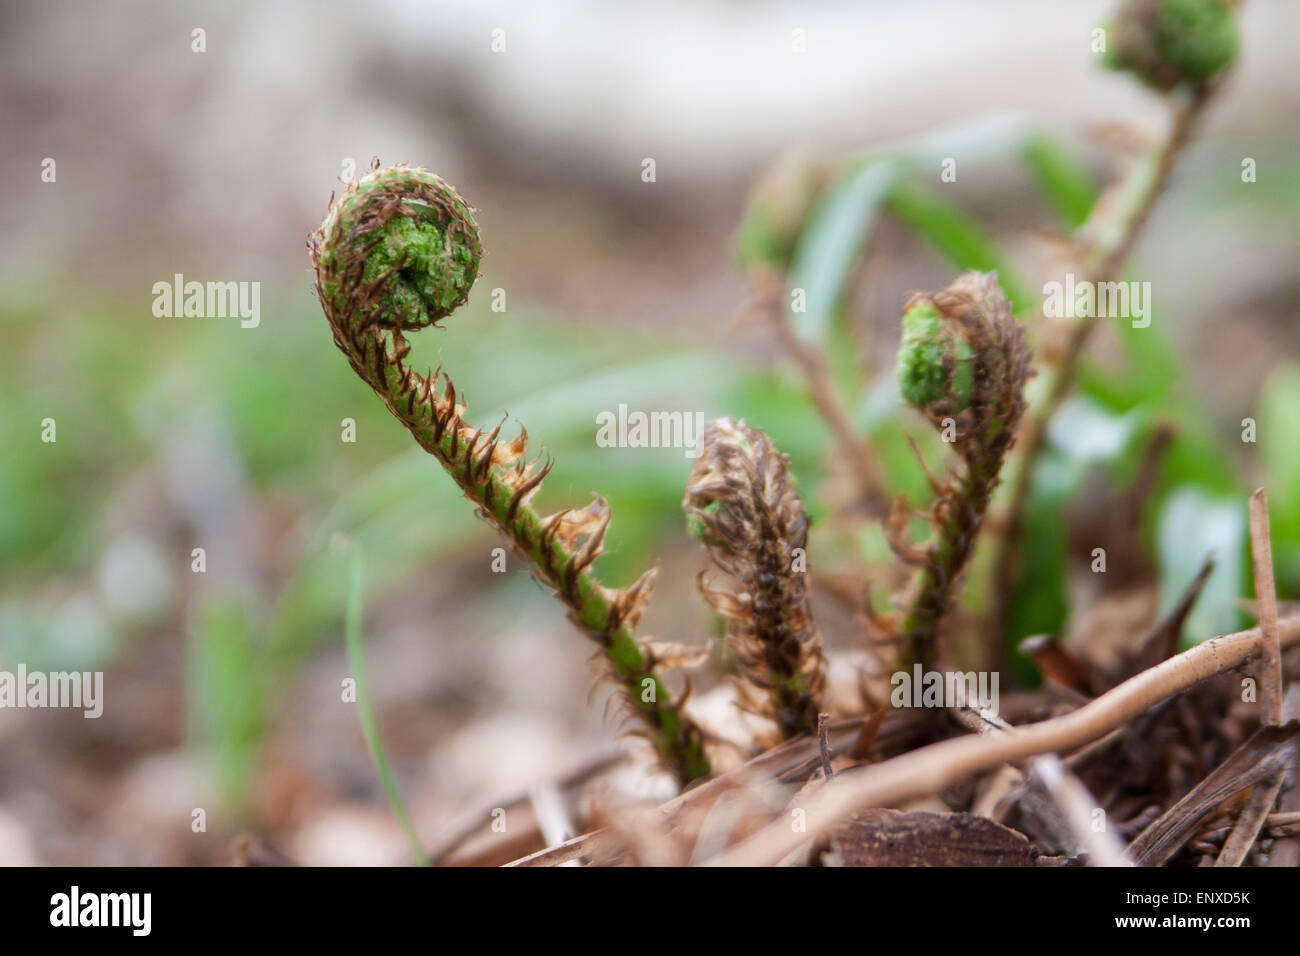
(741, 502)
(1167, 42)
(397, 253)
(963, 363)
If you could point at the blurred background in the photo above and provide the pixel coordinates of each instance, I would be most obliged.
(222, 688)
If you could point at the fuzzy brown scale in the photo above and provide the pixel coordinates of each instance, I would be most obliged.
(368, 326)
(741, 502)
(980, 313)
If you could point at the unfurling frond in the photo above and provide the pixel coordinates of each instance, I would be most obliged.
(397, 253)
(963, 363)
(741, 502)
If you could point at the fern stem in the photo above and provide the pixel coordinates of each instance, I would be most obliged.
(1106, 237)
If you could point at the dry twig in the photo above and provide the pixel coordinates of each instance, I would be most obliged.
(1266, 597)
(1244, 834)
(1253, 764)
(930, 769)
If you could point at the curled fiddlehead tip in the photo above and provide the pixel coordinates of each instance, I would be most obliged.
(741, 502)
(963, 354)
(400, 249)
(934, 360)
(1167, 42)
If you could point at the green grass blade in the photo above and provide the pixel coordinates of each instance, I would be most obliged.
(956, 236)
(1066, 184)
(365, 713)
(831, 243)
(227, 696)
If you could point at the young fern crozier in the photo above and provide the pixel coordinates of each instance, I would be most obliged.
(1168, 42)
(741, 502)
(397, 253)
(963, 363)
